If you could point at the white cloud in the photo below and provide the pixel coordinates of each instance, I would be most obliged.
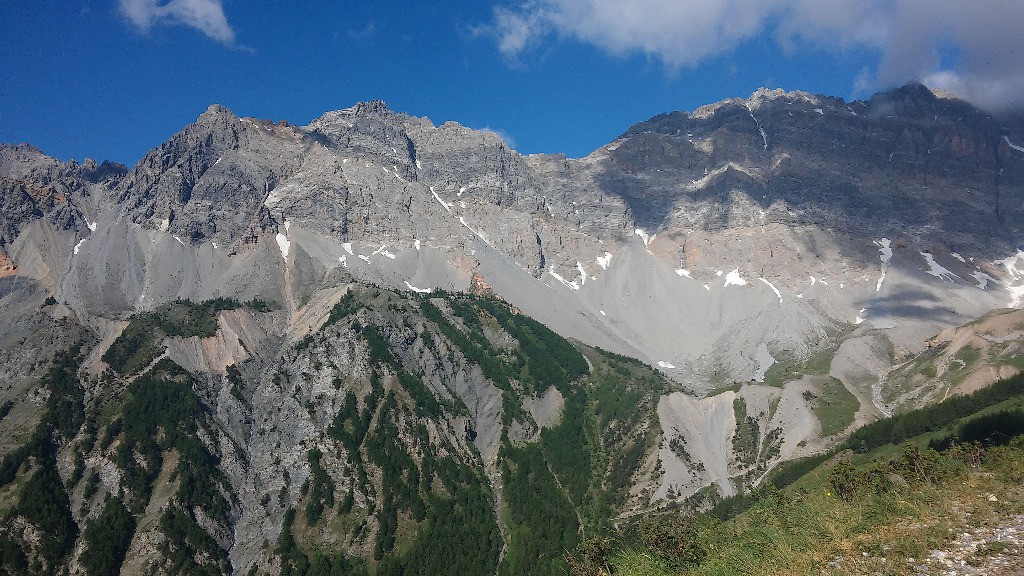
(680, 32)
(505, 136)
(907, 36)
(368, 31)
(207, 16)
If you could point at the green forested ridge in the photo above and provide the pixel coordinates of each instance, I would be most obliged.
(434, 502)
(994, 429)
(541, 523)
(901, 427)
(387, 481)
(296, 562)
(541, 359)
(575, 468)
(159, 415)
(43, 500)
(321, 492)
(107, 539)
(163, 414)
(584, 464)
(624, 395)
(930, 418)
(570, 447)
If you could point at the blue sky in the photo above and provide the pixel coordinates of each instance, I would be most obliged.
(112, 79)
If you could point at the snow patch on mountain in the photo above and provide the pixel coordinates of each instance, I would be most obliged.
(418, 290)
(734, 278)
(1012, 145)
(937, 270)
(1011, 264)
(567, 283)
(383, 252)
(604, 261)
(764, 136)
(462, 220)
(1016, 295)
(1016, 292)
(644, 236)
(774, 289)
(860, 317)
(885, 249)
(283, 243)
(446, 205)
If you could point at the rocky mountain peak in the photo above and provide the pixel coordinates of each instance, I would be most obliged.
(215, 111)
(105, 171)
(915, 101)
(372, 107)
(346, 117)
(20, 160)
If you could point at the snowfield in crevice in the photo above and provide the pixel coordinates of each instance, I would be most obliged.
(284, 244)
(446, 205)
(774, 289)
(569, 284)
(885, 248)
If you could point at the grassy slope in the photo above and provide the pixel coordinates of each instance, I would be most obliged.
(883, 527)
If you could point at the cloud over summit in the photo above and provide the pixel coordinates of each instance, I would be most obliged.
(970, 48)
(207, 16)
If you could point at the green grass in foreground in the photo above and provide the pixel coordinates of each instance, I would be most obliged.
(857, 510)
(896, 502)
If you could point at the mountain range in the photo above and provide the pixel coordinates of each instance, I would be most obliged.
(352, 345)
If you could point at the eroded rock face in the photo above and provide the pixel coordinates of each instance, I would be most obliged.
(34, 186)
